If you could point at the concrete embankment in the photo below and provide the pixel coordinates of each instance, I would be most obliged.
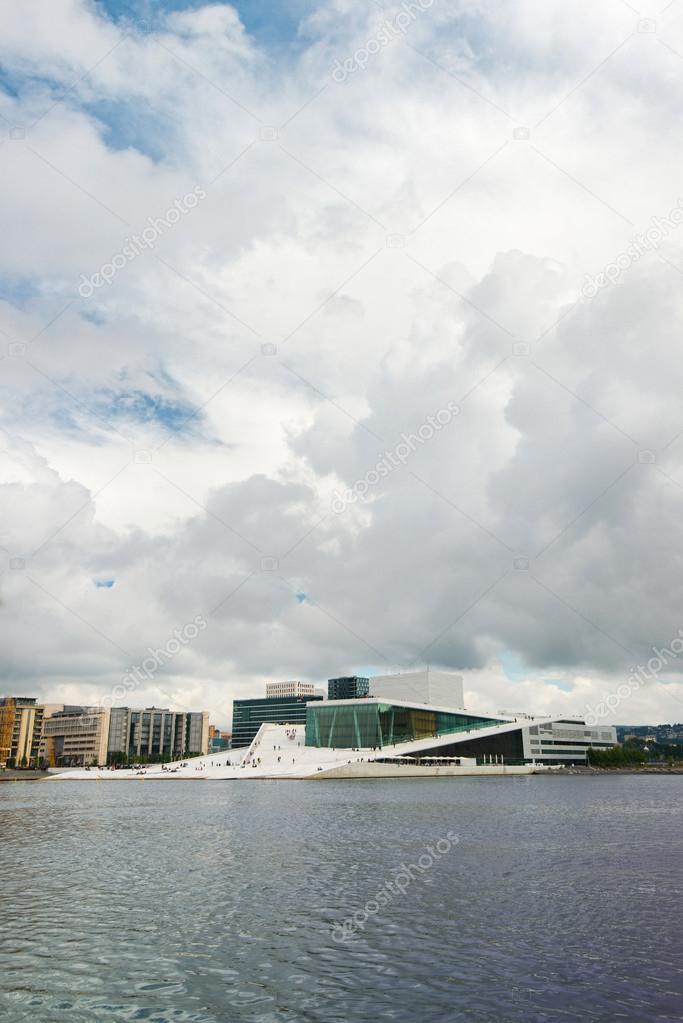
(27, 775)
(373, 770)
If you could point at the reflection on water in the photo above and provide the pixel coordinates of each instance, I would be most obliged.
(216, 902)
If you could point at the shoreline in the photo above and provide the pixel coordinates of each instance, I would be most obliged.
(575, 772)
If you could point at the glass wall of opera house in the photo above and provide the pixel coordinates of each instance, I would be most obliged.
(373, 724)
(374, 737)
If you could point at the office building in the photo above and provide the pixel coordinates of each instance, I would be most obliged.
(348, 687)
(75, 736)
(438, 688)
(155, 732)
(565, 741)
(289, 689)
(249, 715)
(21, 721)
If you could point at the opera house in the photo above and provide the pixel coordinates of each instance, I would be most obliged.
(384, 736)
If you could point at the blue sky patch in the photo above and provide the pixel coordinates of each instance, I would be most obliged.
(560, 683)
(17, 291)
(274, 26)
(105, 584)
(143, 407)
(513, 666)
(131, 126)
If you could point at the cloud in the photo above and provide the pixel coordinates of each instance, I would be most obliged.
(367, 253)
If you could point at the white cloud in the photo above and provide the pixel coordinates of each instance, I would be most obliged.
(366, 253)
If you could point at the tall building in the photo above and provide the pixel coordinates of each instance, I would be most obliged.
(349, 687)
(438, 688)
(289, 689)
(249, 715)
(157, 732)
(21, 721)
(75, 736)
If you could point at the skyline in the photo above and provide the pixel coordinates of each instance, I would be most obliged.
(397, 388)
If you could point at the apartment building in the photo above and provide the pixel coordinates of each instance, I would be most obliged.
(289, 689)
(21, 721)
(75, 736)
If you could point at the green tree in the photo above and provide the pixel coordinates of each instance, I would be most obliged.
(616, 756)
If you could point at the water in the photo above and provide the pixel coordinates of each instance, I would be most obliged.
(193, 901)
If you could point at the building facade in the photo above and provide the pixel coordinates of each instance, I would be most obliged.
(75, 737)
(348, 687)
(21, 722)
(155, 732)
(566, 741)
(438, 688)
(289, 689)
(422, 731)
(249, 715)
(372, 723)
(218, 740)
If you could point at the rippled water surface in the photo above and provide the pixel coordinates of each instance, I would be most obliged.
(197, 901)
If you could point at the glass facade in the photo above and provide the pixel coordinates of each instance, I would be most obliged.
(249, 715)
(157, 732)
(366, 724)
(349, 687)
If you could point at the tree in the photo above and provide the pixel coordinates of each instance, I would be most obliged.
(616, 756)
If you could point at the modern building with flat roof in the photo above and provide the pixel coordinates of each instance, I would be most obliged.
(249, 715)
(75, 737)
(157, 732)
(402, 728)
(289, 689)
(21, 722)
(348, 687)
(565, 741)
(439, 688)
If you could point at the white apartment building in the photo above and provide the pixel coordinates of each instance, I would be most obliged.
(274, 689)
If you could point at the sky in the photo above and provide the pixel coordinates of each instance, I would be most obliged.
(348, 331)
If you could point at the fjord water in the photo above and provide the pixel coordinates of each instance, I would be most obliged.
(195, 901)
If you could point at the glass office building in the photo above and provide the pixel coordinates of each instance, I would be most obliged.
(349, 687)
(157, 732)
(372, 723)
(249, 715)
